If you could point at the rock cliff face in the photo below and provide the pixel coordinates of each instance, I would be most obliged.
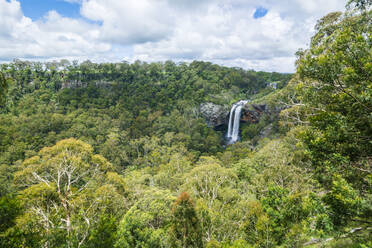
(252, 112)
(215, 115)
(73, 84)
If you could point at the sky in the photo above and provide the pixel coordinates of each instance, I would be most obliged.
(252, 34)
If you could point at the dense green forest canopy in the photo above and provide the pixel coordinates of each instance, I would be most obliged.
(118, 154)
(115, 104)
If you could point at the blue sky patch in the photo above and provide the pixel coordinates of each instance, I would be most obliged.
(260, 12)
(36, 9)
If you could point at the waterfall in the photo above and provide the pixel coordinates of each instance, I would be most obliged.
(229, 130)
(234, 121)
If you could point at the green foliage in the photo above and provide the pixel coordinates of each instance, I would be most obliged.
(337, 73)
(9, 210)
(235, 244)
(185, 229)
(104, 234)
(336, 98)
(108, 105)
(3, 88)
(343, 200)
(63, 189)
(309, 179)
(292, 214)
(209, 180)
(146, 223)
(338, 90)
(254, 131)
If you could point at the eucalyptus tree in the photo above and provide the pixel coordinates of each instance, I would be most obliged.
(337, 86)
(65, 189)
(337, 75)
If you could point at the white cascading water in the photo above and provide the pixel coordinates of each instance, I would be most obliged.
(234, 121)
(229, 130)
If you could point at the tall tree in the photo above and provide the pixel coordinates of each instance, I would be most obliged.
(337, 75)
(147, 221)
(337, 71)
(65, 188)
(186, 231)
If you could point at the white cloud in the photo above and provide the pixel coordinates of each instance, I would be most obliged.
(53, 36)
(223, 34)
(221, 31)
(226, 32)
(130, 21)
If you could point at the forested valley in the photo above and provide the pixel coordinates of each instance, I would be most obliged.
(121, 155)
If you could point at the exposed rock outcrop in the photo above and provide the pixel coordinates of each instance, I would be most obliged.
(217, 115)
(252, 112)
(214, 114)
(73, 84)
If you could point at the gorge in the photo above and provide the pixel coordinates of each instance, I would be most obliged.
(186, 153)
